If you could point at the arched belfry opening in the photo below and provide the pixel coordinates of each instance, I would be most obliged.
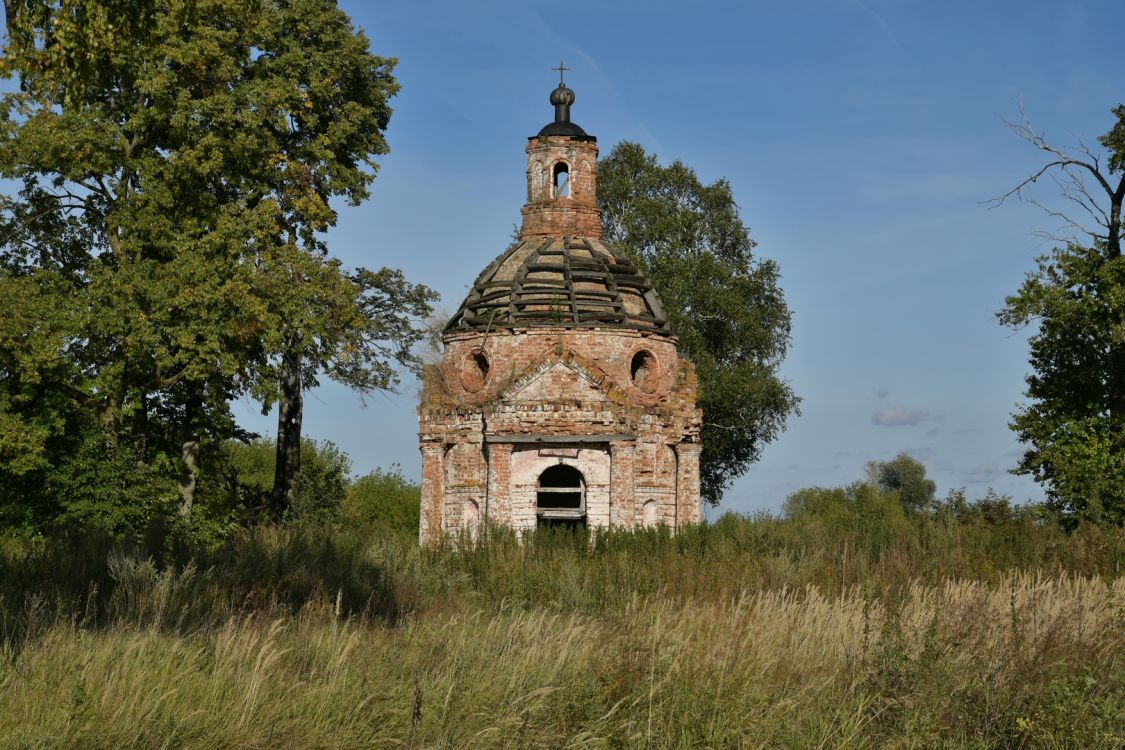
(560, 180)
(560, 499)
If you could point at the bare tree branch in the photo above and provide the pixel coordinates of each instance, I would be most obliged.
(1080, 195)
(1076, 165)
(1066, 222)
(1026, 131)
(1095, 158)
(1017, 190)
(1074, 190)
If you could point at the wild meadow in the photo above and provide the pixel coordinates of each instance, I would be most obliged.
(980, 628)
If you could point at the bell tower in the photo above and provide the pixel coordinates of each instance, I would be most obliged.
(562, 164)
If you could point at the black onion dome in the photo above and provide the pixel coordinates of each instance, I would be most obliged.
(560, 282)
(562, 97)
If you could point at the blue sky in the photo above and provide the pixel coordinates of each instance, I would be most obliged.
(862, 140)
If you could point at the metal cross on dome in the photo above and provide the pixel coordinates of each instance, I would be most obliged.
(562, 68)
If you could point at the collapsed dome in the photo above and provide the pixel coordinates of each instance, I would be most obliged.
(568, 282)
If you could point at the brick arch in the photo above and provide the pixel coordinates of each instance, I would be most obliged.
(528, 464)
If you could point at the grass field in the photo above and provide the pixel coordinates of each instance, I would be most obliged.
(745, 633)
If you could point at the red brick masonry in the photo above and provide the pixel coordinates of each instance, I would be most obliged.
(616, 402)
(484, 444)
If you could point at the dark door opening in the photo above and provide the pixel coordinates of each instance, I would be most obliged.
(561, 499)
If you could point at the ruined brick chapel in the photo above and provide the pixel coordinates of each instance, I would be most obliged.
(560, 398)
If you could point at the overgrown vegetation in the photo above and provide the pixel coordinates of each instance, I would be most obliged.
(847, 622)
(168, 580)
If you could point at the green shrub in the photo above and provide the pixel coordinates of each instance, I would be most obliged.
(247, 470)
(92, 484)
(384, 500)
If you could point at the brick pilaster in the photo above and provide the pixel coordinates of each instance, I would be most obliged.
(433, 492)
(499, 503)
(687, 483)
(622, 501)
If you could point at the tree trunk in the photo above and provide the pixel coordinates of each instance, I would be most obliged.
(140, 428)
(1113, 229)
(287, 467)
(1117, 351)
(189, 453)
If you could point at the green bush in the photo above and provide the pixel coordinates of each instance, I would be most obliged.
(858, 514)
(244, 477)
(91, 484)
(384, 500)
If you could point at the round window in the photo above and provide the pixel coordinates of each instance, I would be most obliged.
(474, 370)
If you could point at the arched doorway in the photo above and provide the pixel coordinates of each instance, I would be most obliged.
(560, 499)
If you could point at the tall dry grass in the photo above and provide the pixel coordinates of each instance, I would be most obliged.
(1027, 661)
(746, 633)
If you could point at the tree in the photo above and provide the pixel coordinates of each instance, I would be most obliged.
(384, 500)
(354, 328)
(176, 163)
(906, 476)
(857, 514)
(723, 303)
(126, 226)
(1074, 424)
(326, 114)
(324, 481)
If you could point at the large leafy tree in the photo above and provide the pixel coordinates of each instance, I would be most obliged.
(906, 476)
(126, 229)
(724, 303)
(1074, 423)
(355, 328)
(164, 253)
(327, 99)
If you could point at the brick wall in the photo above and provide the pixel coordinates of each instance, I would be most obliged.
(635, 443)
(529, 462)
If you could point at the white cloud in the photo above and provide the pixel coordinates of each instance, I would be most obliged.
(899, 416)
